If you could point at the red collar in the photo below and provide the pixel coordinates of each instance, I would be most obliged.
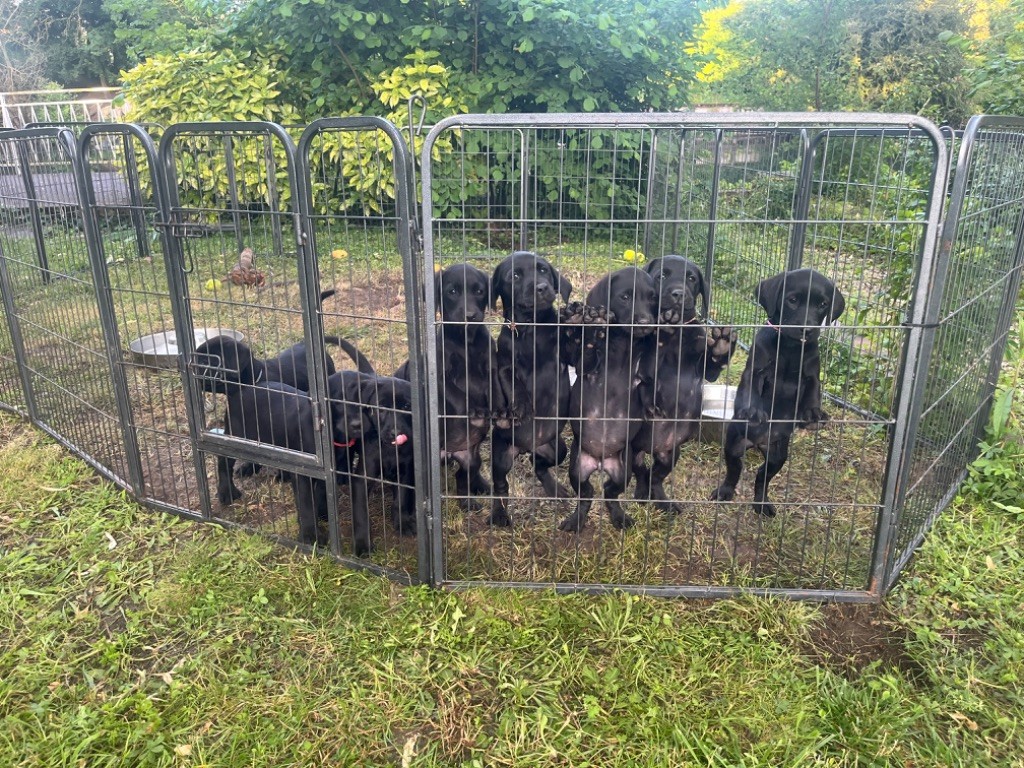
(349, 444)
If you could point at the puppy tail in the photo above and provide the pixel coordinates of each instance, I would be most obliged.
(327, 294)
(358, 357)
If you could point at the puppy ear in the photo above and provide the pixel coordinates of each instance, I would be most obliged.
(497, 284)
(702, 288)
(653, 267)
(437, 289)
(598, 295)
(564, 286)
(368, 391)
(838, 305)
(769, 294)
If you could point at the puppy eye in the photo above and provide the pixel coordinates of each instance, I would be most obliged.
(691, 278)
(791, 300)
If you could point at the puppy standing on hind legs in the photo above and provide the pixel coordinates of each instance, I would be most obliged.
(675, 362)
(781, 384)
(532, 370)
(469, 389)
(605, 406)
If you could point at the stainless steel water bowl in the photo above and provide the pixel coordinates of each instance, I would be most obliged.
(160, 350)
(717, 411)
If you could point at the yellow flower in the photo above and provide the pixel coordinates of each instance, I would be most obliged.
(212, 284)
(634, 257)
(339, 253)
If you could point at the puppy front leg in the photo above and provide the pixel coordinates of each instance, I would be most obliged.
(810, 411)
(775, 457)
(721, 343)
(502, 456)
(311, 504)
(227, 491)
(361, 514)
(735, 446)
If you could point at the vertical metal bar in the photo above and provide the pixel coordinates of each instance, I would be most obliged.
(236, 218)
(135, 197)
(652, 156)
(105, 305)
(165, 182)
(436, 560)
(678, 213)
(924, 312)
(33, 210)
(524, 192)
(274, 198)
(709, 256)
(802, 204)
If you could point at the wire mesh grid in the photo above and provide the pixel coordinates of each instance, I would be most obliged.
(359, 231)
(237, 229)
(983, 240)
(594, 199)
(52, 311)
(241, 295)
(122, 195)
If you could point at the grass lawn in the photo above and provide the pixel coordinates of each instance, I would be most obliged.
(131, 638)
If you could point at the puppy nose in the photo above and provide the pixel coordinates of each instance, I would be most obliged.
(678, 294)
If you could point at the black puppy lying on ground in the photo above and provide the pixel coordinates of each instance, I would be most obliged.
(533, 372)
(605, 406)
(780, 388)
(469, 387)
(674, 365)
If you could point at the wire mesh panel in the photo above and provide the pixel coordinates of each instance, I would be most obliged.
(982, 242)
(246, 316)
(358, 192)
(52, 305)
(598, 195)
(12, 397)
(122, 202)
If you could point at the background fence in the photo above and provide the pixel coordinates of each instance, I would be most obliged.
(127, 236)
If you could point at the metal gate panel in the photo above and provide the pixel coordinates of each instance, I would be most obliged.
(357, 196)
(233, 238)
(983, 242)
(122, 200)
(52, 301)
(595, 189)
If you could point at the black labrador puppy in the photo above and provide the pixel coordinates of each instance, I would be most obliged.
(385, 456)
(674, 363)
(269, 412)
(780, 388)
(605, 406)
(469, 387)
(288, 367)
(533, 372)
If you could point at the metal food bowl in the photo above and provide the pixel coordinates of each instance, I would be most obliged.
(717, 411)
(160, 350)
